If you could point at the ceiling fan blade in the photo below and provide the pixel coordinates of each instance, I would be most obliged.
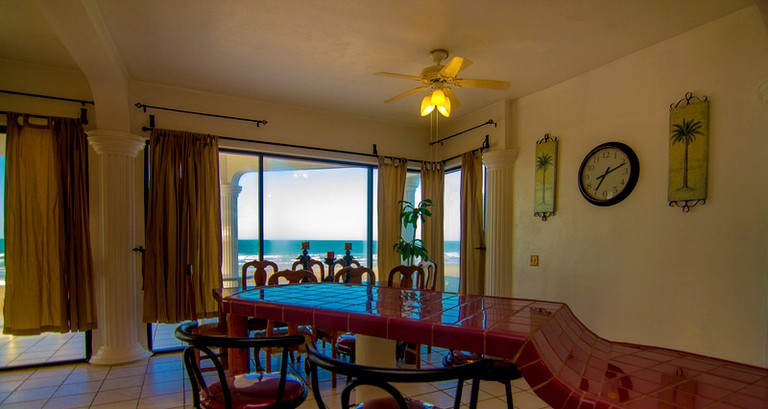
(452, 96)
(403, 76)
(452, 69)
(407, 93)
(476, 83)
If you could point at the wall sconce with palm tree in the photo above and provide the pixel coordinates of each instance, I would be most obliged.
(688, 152)
(546, 177)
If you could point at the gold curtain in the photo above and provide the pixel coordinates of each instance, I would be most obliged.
(432, 187)
(472, 247)
(391, 189)
(49, 266)
(183, 225)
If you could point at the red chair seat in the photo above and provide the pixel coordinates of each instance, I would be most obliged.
(253, 391)
(345, 344)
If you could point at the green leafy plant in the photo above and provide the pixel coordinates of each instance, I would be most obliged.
(410, 216)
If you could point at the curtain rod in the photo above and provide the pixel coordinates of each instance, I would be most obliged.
(25, 94)
(83, 109)
(258, 122)
(85, 122)
(375, 153)
(488, 122)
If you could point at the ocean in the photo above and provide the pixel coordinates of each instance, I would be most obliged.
(284, 251)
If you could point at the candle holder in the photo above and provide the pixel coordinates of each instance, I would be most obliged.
(304, 258)
(330, 260)
(347, 260)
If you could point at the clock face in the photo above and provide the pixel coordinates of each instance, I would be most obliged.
(608, 174)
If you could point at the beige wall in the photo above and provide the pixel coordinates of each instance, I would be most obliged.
(641, 271)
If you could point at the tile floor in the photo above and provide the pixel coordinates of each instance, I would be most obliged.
(160, 382)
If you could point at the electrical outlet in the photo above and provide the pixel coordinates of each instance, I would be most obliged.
(534, 260)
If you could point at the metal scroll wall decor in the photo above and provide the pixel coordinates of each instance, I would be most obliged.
(546, 177)
(688, 152)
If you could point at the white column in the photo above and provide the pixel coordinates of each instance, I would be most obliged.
(499, 222)
(229, 194)
(411, 183)
(113, 201)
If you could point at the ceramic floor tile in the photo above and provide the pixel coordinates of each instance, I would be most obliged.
(30, 394)
(172, 400)
(70, 402)
(78, 388)
(126, 404)
(122, 383)
(37, 404)
(118, 395)
(162, 388)
(35, 382)
(160, 382)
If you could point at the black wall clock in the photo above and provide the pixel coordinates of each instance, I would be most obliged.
(608, 174)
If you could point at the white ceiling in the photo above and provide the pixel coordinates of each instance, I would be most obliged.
(322, 53)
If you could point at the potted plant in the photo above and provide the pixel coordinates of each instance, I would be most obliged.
(411, 215)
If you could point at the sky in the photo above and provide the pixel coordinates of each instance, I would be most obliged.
(321, 204)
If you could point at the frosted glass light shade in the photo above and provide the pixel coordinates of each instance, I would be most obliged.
(426, 106)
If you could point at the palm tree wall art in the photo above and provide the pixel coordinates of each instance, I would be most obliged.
(546, 176)
(688, 151)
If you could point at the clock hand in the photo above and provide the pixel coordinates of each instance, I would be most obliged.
(602, 177)
(607, 171)
(622, 164)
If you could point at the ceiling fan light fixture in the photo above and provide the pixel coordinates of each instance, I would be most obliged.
(426, 105)
(438, 97)
(445, 109)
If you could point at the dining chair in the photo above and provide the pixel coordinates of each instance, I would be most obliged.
(386, 378)
(217, 327)
(261, 269)
(503, 371)
(315, 266)
(407, 277)
(251, 390)
(288, 277)
(344, 343)
(429, 269)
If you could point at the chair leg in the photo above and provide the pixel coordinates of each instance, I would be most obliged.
(459, 390)
(334, 355)
(257, 359)
(508, 389)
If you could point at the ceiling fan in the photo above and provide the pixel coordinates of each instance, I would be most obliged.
(439, 79)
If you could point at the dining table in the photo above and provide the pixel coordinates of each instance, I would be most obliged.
(564, 362)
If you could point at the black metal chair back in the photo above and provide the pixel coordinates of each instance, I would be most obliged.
(383, 378)
(265, 390)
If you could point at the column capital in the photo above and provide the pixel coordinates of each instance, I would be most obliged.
(106, 142)
(230, 189)
(763, 91)
(500, 159)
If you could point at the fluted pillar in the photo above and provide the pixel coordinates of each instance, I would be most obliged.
(229, 195)
(499, 222)
(411, 184)
(113, 210)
